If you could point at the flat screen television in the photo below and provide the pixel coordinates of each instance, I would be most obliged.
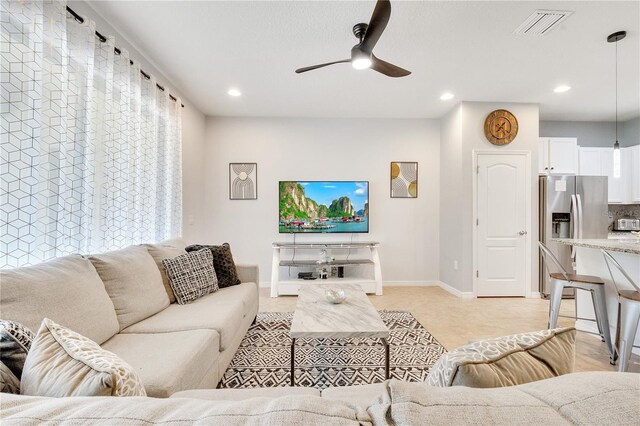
(323, 206)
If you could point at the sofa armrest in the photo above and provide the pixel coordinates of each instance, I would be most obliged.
(248, 274)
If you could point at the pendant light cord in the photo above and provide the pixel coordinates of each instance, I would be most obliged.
(616, 92)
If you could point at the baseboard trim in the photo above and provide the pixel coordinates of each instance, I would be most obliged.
(429, 283)
(456, 292)
(533, 295)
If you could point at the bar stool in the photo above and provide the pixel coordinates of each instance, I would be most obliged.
(595, 285)
(628, 313)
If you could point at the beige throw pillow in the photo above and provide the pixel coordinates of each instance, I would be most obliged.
(63, 363)
(133, 283)
(508, 360)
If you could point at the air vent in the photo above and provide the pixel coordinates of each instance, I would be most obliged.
(542, 21)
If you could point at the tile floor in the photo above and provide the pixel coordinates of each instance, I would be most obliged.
(454, 321)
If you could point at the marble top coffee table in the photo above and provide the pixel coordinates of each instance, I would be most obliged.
(315, 317)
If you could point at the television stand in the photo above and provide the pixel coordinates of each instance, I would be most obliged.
(360, 262)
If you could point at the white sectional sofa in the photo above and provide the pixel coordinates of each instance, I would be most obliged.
(595, 398)
(172, 347)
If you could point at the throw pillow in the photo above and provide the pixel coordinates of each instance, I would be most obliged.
(222, 263)
(160, 252)
(63, 363)
(191, 275)
(508, 360)
(9, 383)
(15, 341)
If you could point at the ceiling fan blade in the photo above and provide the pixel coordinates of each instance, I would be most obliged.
(387, 69)
(377, 24)
(314, 67)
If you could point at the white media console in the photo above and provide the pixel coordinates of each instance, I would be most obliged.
(359, 260)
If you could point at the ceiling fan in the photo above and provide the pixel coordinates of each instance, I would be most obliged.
(369, 34)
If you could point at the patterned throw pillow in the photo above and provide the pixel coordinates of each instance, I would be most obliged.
(508, 360)
(63, 363)
(223, 263)
(9, 383)
(191, 275)
(15, 341)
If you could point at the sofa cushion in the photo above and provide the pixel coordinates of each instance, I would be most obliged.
(62, 363)
(191, 276)
(222, 262)
(133, 283)
(595, 397)
(363, 395)
(221, 311)
(53, 290)
(295, 410)
(15, 341)
(508, 360)
(412, 403)
(160, 252)
(169, 362)
(247, 393)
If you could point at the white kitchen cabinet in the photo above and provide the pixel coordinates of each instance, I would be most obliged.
(590, 161)
(558, 156)
(543, 156)
(633, 161)
(599, 162)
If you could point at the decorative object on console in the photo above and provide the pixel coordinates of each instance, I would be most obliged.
(63, 363)
(223, 263)
(191, 275)
(500, 127)
(263, 356)
(243, 181)
(507, 361)
(404, 179)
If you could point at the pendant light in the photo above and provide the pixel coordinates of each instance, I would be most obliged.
(615, 38)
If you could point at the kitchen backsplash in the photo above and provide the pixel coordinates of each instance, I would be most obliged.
(621, 211)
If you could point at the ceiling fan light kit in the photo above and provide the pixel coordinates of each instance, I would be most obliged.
(362, 56)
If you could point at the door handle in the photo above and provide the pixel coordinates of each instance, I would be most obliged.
(522, 233)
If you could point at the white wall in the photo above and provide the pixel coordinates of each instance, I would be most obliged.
(193, 125)
(451, 203)
(594, 133)
(457, 165)
(325, 149)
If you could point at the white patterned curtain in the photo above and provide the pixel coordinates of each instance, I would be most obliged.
(90, 155)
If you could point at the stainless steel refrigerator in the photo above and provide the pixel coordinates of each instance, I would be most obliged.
(570, 207)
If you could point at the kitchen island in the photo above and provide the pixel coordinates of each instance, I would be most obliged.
(590, 261)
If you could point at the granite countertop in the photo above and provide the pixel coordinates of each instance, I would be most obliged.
(623, 245)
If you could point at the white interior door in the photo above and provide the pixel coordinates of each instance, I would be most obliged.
(502, 220)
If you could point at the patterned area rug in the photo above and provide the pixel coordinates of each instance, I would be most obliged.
(263, 359)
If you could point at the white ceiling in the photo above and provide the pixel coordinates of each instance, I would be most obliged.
(464, 47)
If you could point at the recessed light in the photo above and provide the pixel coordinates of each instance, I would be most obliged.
(234, 92)
(562, 89)
(446, 96)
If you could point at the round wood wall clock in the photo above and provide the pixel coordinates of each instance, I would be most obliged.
(500, 127)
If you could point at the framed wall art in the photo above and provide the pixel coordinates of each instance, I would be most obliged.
(404, 179)
(243, 181)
